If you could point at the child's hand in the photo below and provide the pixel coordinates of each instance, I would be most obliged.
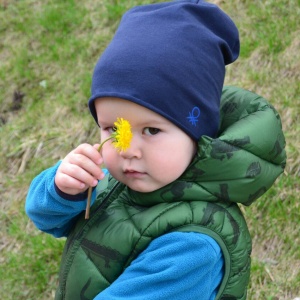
(79, 170)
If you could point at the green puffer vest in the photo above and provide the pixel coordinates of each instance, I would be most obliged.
(237, 167)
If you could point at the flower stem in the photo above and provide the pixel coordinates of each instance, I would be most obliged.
(122, 136)
(88, 203)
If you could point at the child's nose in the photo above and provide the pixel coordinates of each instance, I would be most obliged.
(134, 151)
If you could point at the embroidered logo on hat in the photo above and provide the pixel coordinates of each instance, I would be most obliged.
(194, 116)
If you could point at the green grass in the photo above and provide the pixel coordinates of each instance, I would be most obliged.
(48, 50)
(29, 259)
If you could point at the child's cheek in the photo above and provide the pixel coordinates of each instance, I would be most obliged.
(104, 135)
(109, 154)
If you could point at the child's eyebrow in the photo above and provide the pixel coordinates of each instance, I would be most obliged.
(106, 120)
(102, 123)
(153, 123)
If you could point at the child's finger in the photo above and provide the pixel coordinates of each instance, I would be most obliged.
(90, 152)
(84, 163)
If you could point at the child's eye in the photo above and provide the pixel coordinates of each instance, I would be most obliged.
(110, 130)
(151, 130)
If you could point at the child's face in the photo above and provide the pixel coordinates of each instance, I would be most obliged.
(159, 151)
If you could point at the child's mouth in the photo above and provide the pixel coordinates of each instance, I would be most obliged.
(134, 174)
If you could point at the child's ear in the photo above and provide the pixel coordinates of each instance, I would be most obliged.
(195, 147)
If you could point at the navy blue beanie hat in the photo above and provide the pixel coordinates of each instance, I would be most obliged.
(170, 58)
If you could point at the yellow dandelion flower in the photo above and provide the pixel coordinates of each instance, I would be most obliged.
(123, 135)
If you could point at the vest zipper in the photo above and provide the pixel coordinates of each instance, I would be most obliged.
(105, 200)
(70, 254)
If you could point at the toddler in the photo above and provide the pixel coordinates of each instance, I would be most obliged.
(164, 220)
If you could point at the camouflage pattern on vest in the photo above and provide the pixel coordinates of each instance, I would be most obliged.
(237, 167)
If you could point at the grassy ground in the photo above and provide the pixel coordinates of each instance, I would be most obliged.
(47, 53)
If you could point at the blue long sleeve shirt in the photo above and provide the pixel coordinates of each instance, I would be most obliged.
(178, 265)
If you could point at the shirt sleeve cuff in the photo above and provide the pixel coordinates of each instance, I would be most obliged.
(78, 197)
